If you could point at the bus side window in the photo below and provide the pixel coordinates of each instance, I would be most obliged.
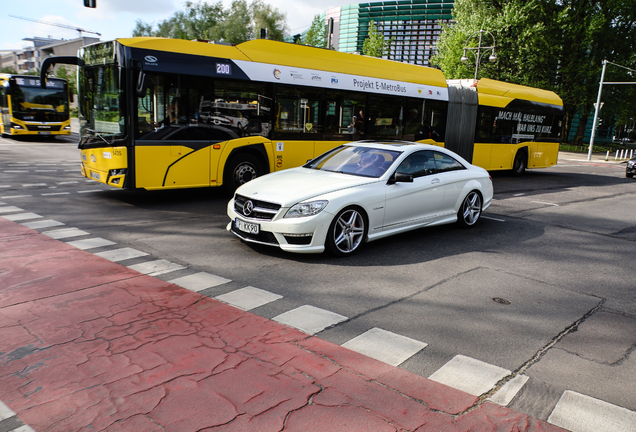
(385, 117)
(297, 110)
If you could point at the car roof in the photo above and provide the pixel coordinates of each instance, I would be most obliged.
(391, 145)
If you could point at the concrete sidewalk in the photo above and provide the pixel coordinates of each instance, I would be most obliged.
(88, 344)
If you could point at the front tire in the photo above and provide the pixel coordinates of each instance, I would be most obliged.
(628, 175)
(241, 169)
(470, 210)
(347, 232)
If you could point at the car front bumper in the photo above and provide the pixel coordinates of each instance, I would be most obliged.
(300, 235)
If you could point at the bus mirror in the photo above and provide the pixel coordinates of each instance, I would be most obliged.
(142, 85)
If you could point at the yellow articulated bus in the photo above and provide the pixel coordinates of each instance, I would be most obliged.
(29, 109)
(166, 113)
(514, 127)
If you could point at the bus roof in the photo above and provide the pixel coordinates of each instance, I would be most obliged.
(294, 55)
(514, 91)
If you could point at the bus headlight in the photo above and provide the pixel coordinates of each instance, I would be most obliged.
(306, 209)
(67, 127)
(16, 126)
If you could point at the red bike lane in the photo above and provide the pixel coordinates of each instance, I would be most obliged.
(88, 344)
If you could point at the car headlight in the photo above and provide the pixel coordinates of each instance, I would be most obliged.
(306, 209)
(631, 164)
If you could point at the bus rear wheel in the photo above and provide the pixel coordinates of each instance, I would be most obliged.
(241, 169)
(519, 166)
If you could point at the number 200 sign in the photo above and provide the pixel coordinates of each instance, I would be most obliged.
(223, 68)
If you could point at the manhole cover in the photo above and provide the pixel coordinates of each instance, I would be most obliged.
(502, 301)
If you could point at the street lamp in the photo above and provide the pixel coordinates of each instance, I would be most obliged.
(480, 51)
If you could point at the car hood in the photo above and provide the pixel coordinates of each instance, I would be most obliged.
(294, 185)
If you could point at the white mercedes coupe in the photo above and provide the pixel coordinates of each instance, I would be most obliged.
(359, 192)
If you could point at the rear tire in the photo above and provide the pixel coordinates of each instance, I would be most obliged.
(470, 210)
(519, 165)
(241, 169)
(629, 175)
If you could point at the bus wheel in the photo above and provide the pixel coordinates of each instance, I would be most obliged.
(241, 169)
(519, 167)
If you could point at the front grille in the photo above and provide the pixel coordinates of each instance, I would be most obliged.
(43, 128)
(262, 209)
(262, 237)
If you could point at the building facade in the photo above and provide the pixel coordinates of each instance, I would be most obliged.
(29, 59)
(413, 26)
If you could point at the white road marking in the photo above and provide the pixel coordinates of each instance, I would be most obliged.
(545, 203)
(91, 243)
(34, 185)
(580, 413)
(156, 268)
(21, 216)
(122, 254)
(509, 390)
(248, 298)
(16, 196)
(65, 233)
(5, 186)
(492, 218)
(89, 191)
(15, 171)
(67, 182)
(10, 209)
(385, 346)
(309, 319)
(519, 194)
(469, 375)
(47, 223)
(200, 281)
(55, 193)
(5, 412)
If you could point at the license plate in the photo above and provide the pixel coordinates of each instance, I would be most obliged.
(95, 175)
(44, 133)
(247, 227)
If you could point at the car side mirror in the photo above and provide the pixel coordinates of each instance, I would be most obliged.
(399, 177)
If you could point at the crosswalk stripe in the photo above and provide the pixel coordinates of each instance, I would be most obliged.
(386, 346)
(509, 390)
(90, 243)
(157, 267)
(21, 216)
(309, 319)
(10, 209)
(47, 223)
(248, 298)
(469, 375)
(122, 254)
(580, 413)
(200, 281)
(65, 233)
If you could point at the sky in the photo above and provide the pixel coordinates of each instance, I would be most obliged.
(116, 18)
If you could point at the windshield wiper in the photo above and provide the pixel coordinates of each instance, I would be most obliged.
(97, 134)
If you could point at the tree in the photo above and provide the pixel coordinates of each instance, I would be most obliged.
(70, 77)
(209, 21)
(317, 34)
(556, 45)
(8, 70)
(375, 45)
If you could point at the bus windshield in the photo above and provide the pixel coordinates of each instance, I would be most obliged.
(32, 103)
(100, 110)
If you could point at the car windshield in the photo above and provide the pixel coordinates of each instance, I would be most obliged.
(355, 160)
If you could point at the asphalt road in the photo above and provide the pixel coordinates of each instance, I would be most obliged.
(555, 250)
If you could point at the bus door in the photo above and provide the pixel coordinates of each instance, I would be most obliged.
(172, 145)
(297, 126)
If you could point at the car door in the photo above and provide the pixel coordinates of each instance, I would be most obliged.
(454, 176)
(416, 203)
